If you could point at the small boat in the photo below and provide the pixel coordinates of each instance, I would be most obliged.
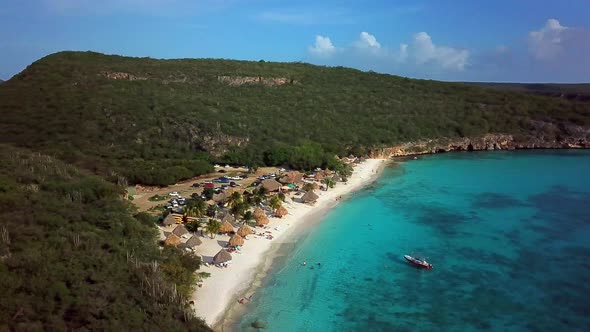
(422, 263)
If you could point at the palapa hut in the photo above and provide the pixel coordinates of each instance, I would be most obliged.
(262, 221)
(244, 230)
(336, 178)
(172, 240)
(282, 211)
(221, 197)
(270, 185)
(180, 230)
(293, 177)
(226, 227)
(309, 197)
(221, 257)
(319, 176)
(192, 242)
(259, 213)
(236, 240)
(171, 219)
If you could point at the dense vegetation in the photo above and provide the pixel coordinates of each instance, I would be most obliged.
(73, 257)
(164, 120)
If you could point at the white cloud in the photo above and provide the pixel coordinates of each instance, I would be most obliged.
(424, 51)
(547, 43)
(367, 41)
(323, 47)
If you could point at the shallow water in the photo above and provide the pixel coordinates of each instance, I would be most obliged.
(508, 234)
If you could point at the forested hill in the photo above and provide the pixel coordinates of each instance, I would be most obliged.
(157, 121)
(73, 257)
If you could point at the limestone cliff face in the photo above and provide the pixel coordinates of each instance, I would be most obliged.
(267, 81)
(579, 138)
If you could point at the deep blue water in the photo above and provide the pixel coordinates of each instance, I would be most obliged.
(508, 234)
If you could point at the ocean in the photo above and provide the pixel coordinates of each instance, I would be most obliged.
(508, 234)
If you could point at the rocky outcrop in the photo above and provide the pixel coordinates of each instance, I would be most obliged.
(267, 81)
(122, 76)
(488, 142)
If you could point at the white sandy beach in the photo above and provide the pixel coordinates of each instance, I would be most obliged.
(226, 285)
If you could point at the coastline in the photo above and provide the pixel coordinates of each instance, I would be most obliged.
(216, 300)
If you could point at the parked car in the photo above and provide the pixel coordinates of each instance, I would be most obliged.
(221, 171)
(233, 184)
(209, 185)
(174, 194)
(217, 180)
(196, 185)
(224, 180)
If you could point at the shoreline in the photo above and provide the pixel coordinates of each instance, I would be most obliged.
(216, 300)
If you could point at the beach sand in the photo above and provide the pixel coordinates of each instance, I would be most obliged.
(226, 286)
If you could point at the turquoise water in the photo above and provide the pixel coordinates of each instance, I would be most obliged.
(508, 234)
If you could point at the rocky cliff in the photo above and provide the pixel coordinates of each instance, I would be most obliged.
(487, 142)
(267, 81)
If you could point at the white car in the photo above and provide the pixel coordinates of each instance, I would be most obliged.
(216, 165)
(174, 194)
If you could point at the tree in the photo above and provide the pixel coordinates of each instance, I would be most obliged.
(213, 227)
(275, 202)
(239, 208)
(235, 199)
(194, 225)
(329, 182)
(212, 210)
(208, 193)
(195, 208)
(282, 196)
(248, 216)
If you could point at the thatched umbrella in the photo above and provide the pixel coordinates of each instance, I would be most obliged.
(282, 211)
(270, 185)
(170, 219)
(316, 185)
(180, 230)
(221, 257)
(236, 240)
(172, 240)
(193, 242)
(226, 227)
(319, 176)
(309, 197)
(262, 221)
(244, 230)
(259, 213)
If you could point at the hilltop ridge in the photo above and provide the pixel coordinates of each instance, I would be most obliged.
(152, 121)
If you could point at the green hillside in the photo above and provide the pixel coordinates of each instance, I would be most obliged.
(73, 257)
(157, 121)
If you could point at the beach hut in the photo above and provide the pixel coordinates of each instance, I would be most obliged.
(192, 242)
(293, 177)
(282, 211)
(262, 221)
(221, 257)
(270, 185)
(226, 227)
(319, 176)
(171, 219)
(258, 213)
(236, 240)
(309, 197)
(180, 230)
(172, 240)
(244, 230)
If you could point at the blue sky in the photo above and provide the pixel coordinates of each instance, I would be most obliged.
(496, 40)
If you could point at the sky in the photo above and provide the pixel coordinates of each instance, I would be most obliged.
(452, 40)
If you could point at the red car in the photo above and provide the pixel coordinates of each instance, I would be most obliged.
(208, 185)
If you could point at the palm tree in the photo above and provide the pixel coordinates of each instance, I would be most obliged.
(282, 196)
(344, 170)
(235, 199)
(194, 225)
(213, 227)
(239, 208)
(248, 217)
(212, 210)
(329, 182)
(195, 208)
(275, 202)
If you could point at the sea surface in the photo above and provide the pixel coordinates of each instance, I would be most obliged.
(508, 234)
